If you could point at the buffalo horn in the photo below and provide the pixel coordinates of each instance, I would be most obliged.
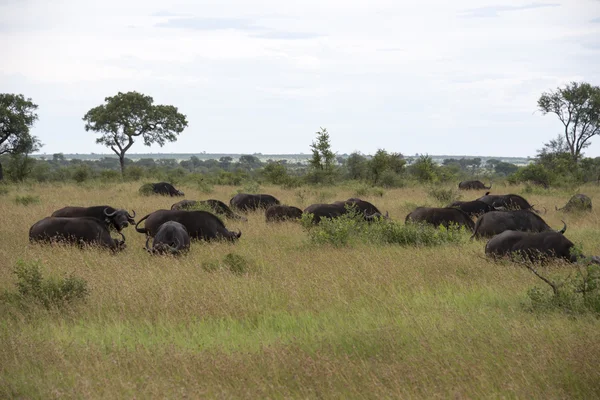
(111, 214)
(123, 236)
(564, 229)
(176, 247)
(131, 216)
(239, 234)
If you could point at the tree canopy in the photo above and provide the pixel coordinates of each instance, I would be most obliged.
(129, 115)
(577, 106)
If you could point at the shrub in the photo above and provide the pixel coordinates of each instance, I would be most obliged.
(147, 189)
(27, 200)
(3, 190)
(82, 173)
(52, 292)
(444, 196)
(133, 173)
(237, 264)
(390, 179)
(109, 175)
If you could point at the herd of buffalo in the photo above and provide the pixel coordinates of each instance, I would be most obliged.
(511, 224)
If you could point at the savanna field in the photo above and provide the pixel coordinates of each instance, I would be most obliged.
(294, 319)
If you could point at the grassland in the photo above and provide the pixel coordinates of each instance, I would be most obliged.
(304, 321)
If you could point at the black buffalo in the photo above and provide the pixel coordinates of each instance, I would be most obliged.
(247, 202)
(171, 238)
(362, 206)
(199, 224)
(440, 216)
(579, 202)
(166, 189)
(495, 222)
(506, 201)
(473, 208)
(335, 210)
(473, 185)
(282, 213)
(534, 246)
(217, 206)
(115, 218)
(82, 230)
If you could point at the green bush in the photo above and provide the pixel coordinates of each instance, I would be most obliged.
(390, 179)
(444, 196)
(237, 264)
(134, 173)
(82, 173)
(147, 189)
(52, 292)
(3, 190)
(109, 175)
(27, 200)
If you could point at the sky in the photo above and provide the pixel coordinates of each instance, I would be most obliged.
(435, 77)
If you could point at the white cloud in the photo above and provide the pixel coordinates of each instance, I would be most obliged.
(262, 76)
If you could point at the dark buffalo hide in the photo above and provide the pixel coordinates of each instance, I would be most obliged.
(217, 206)
(440, 216)
(171, 238)
(113, 217)
(166, 189)
(81, 231)
(472, 208)
(579, 202)
(472, 185)
(507, 201)
(534, 246)
(495, 222)
(249, 202)
(282, 213)
(199, 224)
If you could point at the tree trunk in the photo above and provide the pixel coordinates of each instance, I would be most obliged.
(1, 173)
(122, 162)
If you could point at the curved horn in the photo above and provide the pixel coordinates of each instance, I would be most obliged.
(131, 216)
(564, 229)
(123, 236)
(111, 214)
(239, 234)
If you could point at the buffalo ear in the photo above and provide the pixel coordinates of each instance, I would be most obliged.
(239, 234)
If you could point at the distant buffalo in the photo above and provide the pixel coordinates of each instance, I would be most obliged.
(80, 231)
(114, 218)
(579, 202)
(171, 238)
(282, 213)
(473, 185)
(363, 207)
(534, 246)
(473, 208)
(507, 201)
(496, 222)
(217, 206)
(440, 217)
(199, 224)
(166, 189)
(249, 202)
(339, 208)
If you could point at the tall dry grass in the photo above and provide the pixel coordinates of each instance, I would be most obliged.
(304, 320)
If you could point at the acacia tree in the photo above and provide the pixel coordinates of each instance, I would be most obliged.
(17, 116)
(130, 115)
(577, 106)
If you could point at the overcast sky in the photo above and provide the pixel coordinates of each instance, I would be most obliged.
(433, 76)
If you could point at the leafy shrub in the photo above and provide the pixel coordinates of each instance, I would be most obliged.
(3, 190)
(82, 173)
(205, 187)
(390, 179)
(27, 200)
(211, 265)
(134, 173)
(52, 292)
(109, 175)
(444, 196)
(335, 231)
(147, 189)
(235, 263)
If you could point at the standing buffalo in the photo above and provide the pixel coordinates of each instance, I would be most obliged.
(535, 246)
(165, 189)
(217, 206)
(199, 224)
(171, 238)
(507, 201)
(282, 213)
(473, 185)
(495, 222)
(579, 202)
(473, 208)
(440, 216)
(362, 206)
(338, 209)
(115, 218)
(82, 230)
(246, 201)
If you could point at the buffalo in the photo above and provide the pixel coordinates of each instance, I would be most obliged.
(337, 209)
(282, 213)
(199, 224)
(473, 208)
(507, 201)
(81, 230)
(440, 216)
(535, 246)
(166, 189)
(362, 206)
(473, 185)
(171, 238)
(249, 202)
(495, 222)
(115, 218)
(216, 206)
(579, 202)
